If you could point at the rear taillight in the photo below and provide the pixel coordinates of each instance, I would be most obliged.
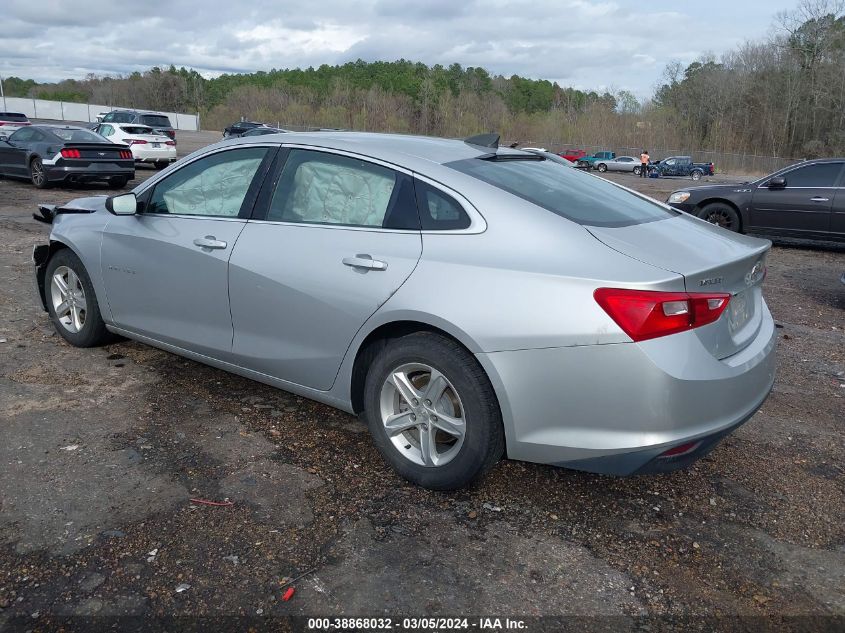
(71, 153)
(170, 142)
(647, 314)
(125, 153)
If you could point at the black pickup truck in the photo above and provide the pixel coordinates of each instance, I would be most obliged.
(681, 166)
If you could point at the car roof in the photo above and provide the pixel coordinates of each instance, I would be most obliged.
(404, 150)
(57, 126)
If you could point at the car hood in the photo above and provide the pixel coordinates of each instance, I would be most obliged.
(742, 187)
(92, 204)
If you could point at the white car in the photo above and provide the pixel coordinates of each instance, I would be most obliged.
(11, 122)
(147, 146)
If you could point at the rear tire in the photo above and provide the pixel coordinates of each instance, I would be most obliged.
(160, 165)
(696, 174)
(637, 171)
(37, 174)
(118, 182)
(71, 301)
(721, 214)
(602, 167)
(446, 424)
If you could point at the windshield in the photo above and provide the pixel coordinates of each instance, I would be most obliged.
(136, 129)
(569, 193)
(77, 136)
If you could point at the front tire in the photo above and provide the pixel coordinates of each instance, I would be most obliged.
(432, 412)
(37, 174)
(602, 167)
(721, 214)
(160, 165)
(71, 301)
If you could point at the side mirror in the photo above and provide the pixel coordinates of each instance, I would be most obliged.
(778, 182)
(124, 204)
(4, 138)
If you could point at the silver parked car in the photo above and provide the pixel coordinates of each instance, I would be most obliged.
(469, 301)
(620, 163)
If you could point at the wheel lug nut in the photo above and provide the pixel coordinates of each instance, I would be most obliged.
(413, 417)
(428, 403)
(434, 418)
(415, 402)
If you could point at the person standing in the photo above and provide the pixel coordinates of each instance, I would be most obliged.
(644, 160)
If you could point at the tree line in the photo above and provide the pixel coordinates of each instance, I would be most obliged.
(780, 96)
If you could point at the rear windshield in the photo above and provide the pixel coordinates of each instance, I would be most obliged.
(77, 136)
(13, 116)
(156, 120)
(567, 192)
(136, 129)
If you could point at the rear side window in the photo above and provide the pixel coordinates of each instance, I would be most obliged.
(439, 211)
(155, 120)
(569, 193)
(13, 116)
(323, 188)
(822, 175)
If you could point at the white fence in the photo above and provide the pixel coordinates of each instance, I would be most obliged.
(84, 112)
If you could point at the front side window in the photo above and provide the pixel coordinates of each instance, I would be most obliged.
(569, 193)
(821, 175)
(322, 188)
(215, 186)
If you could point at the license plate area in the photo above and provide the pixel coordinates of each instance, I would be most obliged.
(156, 145)
(740, 310)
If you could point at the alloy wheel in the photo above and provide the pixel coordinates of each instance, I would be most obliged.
(68, 296)
(37, 171)
(720, 217)
(422, 414)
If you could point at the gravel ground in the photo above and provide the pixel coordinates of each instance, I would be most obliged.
(102, 451)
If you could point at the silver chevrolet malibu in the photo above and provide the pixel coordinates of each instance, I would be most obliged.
(469, 301)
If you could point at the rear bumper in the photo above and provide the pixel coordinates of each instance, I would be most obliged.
(614, 408)
(154, 155)
(89, 173)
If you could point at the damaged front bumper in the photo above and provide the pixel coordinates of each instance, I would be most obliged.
(40, 256)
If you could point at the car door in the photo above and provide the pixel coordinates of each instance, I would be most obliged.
(15, 152)
(803, 206)
(623, 163)
(166, 268)
(334, 237)
(837, 215)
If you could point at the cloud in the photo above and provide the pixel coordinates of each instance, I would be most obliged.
(592, 44)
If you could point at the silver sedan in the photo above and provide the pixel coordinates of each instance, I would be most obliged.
(469, 301)
(620, 163)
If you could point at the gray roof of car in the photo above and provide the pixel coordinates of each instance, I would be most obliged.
(405, 150)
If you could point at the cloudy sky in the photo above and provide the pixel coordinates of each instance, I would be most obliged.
(619, 44)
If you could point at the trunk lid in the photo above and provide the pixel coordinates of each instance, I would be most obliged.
(711, 260)
(98, 151)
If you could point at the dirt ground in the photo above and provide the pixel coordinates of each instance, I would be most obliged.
(102, 450)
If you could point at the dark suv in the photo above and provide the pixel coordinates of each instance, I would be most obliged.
(159, 122)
